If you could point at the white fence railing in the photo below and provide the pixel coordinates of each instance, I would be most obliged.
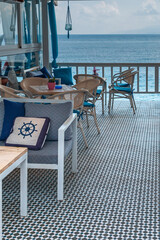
(146, 81)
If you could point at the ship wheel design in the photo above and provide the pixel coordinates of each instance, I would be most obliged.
(27, 129)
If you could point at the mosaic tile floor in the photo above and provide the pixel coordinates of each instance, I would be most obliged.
(114, 195)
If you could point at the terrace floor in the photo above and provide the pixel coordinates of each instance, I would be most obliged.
(114, 195)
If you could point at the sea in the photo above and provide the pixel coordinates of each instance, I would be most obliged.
(117, 48)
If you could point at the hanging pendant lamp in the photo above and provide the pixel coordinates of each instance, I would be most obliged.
(68, 26)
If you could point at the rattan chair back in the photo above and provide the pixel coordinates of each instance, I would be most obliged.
(7, 92)
(129, 78)
(77, 96)
(89, 84)
(33, 81)
(83, 77)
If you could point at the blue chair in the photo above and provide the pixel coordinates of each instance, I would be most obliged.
(122, 91)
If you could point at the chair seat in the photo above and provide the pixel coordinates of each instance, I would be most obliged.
(123, 89)
(123, 85)
(48, 154)
(98, 91)
(79, 115)
(88, 104)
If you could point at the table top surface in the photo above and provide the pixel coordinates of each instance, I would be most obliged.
(43, 89)
(9, 155)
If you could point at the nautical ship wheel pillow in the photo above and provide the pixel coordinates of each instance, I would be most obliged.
(29, 132)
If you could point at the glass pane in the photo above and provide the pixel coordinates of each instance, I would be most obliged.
(18, 63)
(8, 24)
(31, 22)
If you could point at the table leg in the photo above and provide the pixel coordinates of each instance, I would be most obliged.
(23, 194)
(0, 209)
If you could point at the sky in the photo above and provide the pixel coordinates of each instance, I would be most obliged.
(111, 17)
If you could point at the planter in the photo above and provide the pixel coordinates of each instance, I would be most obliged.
(51, 85)
(4, 80)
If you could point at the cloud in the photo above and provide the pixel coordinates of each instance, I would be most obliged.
(102, 8)
(150, 7)
(110, 16)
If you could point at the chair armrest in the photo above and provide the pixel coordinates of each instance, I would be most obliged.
(61, 134)
(66, 124)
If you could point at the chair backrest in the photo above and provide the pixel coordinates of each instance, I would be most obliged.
(122, 74)
(83, 77)
(89, 84)
(77, 96)
(129, 78)
(27, 82)
(7, 92)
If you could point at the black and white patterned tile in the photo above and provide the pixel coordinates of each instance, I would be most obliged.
(114, 195)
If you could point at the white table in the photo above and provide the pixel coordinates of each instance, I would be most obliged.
(10, 158)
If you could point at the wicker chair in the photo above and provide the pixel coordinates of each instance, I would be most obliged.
(33, 81)
(118, 91)
(78, 97)
(121, 75)
(7, 92)
(89, 103)
(100, 92)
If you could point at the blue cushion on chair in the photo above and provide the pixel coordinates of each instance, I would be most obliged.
(99, 91)
(123, 84)
(46, 72)
(11, 111)
(65, 74)
(79, 115)
(88, 104)
(124, 89)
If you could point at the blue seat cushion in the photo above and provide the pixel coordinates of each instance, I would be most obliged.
(124, 89)
(11, 111)
(123, 84)
(99, 91)
(88, 104)
(79, 115)
(45, 72)
(65, 74)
